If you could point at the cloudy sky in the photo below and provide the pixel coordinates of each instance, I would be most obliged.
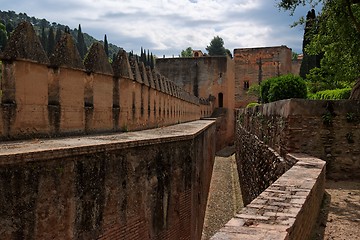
(168, 26)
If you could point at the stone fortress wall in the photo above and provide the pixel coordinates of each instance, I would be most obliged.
(63, 95)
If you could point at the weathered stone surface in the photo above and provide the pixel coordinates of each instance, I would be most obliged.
(121, 65)
(97, 61)
(135, 69)
(25, 44)
(150, 77)
(66, 53)
(144, 74)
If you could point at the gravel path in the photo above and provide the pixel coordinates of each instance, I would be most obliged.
(224, 196)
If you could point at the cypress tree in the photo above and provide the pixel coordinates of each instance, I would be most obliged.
(106, 46)
(148, 58)
(43, 38)
(58, 35)
(67, 29)
(51, 42)
(81, 43)
(152, 63)
(309, 61)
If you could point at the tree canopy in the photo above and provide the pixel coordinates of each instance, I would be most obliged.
(188, 52)
(216, 47)
(337, 37)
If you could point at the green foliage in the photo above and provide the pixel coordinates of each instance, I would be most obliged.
(254, 90)
(216, 47)
(334, 94)
(337, 37)
(309, 61)
(188, 52)
(252, 104)
(283, 87)
(294, 56)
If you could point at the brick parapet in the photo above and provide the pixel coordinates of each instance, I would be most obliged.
(287, 209)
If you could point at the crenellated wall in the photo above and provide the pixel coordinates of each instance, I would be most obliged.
(63, 95)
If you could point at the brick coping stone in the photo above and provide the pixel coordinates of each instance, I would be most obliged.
(282, 207)
(45, 149)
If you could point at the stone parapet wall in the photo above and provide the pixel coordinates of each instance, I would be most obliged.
(62, 95)
(150, 184)
(326, 129)
(287, 209)
(258, 165)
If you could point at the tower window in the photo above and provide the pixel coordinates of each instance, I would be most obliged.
(246, 85)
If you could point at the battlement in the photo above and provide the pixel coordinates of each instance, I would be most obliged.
(63, 95)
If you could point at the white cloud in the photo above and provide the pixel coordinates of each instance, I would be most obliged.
(167, 26)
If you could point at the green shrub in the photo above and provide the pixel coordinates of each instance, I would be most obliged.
(283, 87)
(335, 94)
(264, 90)
(252, 104)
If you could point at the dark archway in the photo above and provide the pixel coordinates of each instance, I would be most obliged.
(220, 99)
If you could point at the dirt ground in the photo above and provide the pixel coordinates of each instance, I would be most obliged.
(339, 218)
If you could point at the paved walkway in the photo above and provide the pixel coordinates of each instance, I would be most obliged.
(224, 196)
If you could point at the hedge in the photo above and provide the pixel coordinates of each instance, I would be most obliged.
(335, 94)
(283, 87)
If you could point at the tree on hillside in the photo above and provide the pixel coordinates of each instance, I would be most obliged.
(106, 46)
(3, 37)
(9, 28)
(338, 38)
(81, 46)
(188, 52)
(216, 47)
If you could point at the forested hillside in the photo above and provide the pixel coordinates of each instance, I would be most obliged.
(49, 32)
